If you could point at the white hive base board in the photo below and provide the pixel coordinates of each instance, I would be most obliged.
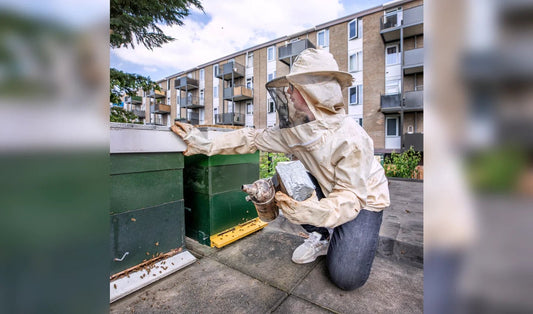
(123, 286)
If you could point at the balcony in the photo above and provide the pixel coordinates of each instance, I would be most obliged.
(391, 103)
(414, 101)
(231, 70)
(160, 108)
(158, 94)
(413, 61)
(186, 83)
(238, 93)
(193, 118)
(416, 140)
(229, 118)
(190, 102)
(410, 20)
(139, 113)
(288, 53)
(134, 100)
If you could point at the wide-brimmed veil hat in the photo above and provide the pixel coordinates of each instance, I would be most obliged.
(313, 62)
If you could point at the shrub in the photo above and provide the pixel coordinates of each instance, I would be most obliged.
(268, 162)
(403, 165)
(118, 114)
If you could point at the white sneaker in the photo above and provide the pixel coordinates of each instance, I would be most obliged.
(310, 249)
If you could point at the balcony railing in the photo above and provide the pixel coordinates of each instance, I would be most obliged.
(158, 94)
(186, 83)
(160, 108)
(414, 101)
(410, 20)
(416, 140)
(413, 16)
(135, 100)
(238, 93)
(139, 113)
(390, 21)
(413, 61)
(193, 118)
(290, 51)
(190, 102)
(229, 118)
(391, 103)
(231, 69)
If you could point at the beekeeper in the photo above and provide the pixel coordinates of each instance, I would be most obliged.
(314, 127)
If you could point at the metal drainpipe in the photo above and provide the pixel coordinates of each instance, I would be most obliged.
(402, 103)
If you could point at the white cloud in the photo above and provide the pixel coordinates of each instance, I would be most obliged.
(234, 26)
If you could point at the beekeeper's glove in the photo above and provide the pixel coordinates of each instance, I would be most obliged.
(196, 142)
(329, 212)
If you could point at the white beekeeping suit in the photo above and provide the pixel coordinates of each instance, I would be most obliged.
(332, 147)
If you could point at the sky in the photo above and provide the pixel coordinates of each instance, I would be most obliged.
(229, 26)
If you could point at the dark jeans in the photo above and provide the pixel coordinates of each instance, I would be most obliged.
(352, 248)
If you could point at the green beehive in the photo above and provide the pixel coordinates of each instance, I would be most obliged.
(214, 201)
(147, 200)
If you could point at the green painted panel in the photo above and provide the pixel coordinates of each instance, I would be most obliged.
(138, 190)
(141, 162)
(232, 177)
(213, 180)
(197, 212)
(153, 230)
(217, 160)
(230, 209)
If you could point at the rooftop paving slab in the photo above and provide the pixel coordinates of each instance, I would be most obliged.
(207, 286)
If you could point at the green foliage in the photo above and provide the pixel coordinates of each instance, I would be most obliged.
(120, 115)
(121, 83)
(403, 165)
(496, 170)
(268, 162)
(131, 21)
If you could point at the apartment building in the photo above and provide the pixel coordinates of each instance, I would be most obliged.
(381, 47)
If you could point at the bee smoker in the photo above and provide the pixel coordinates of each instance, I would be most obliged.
(261, 193)
(291, 178)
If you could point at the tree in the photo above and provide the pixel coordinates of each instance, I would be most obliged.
(121, 83)
(139, 19)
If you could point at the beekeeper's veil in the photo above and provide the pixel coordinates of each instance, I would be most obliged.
(316, 75)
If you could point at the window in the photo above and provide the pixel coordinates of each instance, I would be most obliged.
(355, 62)
(250, 59)
(270, 54)
(168, 84)
(249, 108)
(250, 83)
(201, 97)
(271, 76)
(352, 29)
(202, 73)
(352, 92)
(392, 87)
(215, 70)
(215, 91)
(322, 38)
(271, 108)
(391, 126)
(355, 95)
(360, 121)
(392, 55)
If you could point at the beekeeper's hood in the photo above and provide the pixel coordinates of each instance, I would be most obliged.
(316, 75)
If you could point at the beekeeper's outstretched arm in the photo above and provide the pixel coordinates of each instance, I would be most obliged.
(348, 196)
(242, 141)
